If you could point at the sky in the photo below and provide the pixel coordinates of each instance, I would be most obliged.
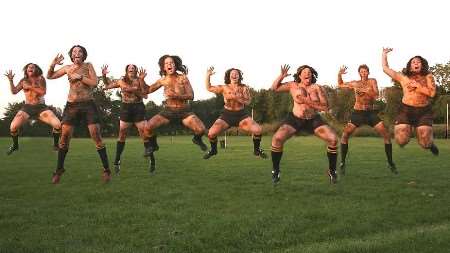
(254, 36)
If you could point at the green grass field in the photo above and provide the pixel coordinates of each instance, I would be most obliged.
(227, 203)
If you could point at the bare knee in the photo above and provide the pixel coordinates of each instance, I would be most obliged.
(332, 141)
(277, 141)
(257, 130)
(122, 134)
(13, 129)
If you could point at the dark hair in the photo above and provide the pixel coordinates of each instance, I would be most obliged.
(425, 70)
(227, 78)
(37, 70)
(363, 66)
(178, 64)
(82, 49)
(301, 68)
(125, 77)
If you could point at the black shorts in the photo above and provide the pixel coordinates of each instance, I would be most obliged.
(34, 110)
(76, 112)
(132, 112)
(415, 116)
(306, 125)
(359, 118)
(232, 118)
(176, 115)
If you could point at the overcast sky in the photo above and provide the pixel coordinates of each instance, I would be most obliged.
(254, 36)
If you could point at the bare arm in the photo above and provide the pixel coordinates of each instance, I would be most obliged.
(125, 87)
(374, 91)
(189, 92)
(214, 89)
(41, 89)
(91, 79)
(14, 89)
(430, 89)
(393, 74)
(245, 97)
(322, 104)
(51, 73)
(341, 83)
(277, 86)
(109, 84)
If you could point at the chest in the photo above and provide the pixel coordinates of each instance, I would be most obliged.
(81, 70)
(27, 84)
(232, 90)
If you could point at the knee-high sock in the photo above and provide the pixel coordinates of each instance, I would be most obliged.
(56, 134)
(277, 153)
(15, 139)
(104, 156)
(332, 157)
(61, 158)
(256, 142)
(213, 143)
(344, 149)
(388, 150)
(119, 149)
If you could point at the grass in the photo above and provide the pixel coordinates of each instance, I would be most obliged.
(227, 203)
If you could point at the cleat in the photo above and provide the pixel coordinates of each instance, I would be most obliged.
(333, 176)
(434, 150)
(260, 153)
(393, 168)
(342, 168)
(200, 143)
(106, 176)
(117, 167)
(57, 176)
(210, 154)
(11, 150)
(275, 176)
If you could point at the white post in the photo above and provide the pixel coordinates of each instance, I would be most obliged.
(225, 139)
(446, 127)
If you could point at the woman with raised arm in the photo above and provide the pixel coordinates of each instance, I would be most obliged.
(309, 99)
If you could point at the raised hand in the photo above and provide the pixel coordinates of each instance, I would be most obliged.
(284, 70)
(142, 73)
(58, 60)
(10, 75)
(387, 50)
(105, 70)
(210, 71)
(343, 70)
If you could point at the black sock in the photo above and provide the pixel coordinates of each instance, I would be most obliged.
(276, 158)
(61, 157)
(213, 144)
(15, 138)
(198, 136)
(104, 157)
(332, 158)
(388, 150)
(56, 138)
(119, 149)
(256, 142)
(344, 149)
(147, 144)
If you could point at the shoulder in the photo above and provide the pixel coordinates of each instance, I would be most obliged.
(182, 77)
